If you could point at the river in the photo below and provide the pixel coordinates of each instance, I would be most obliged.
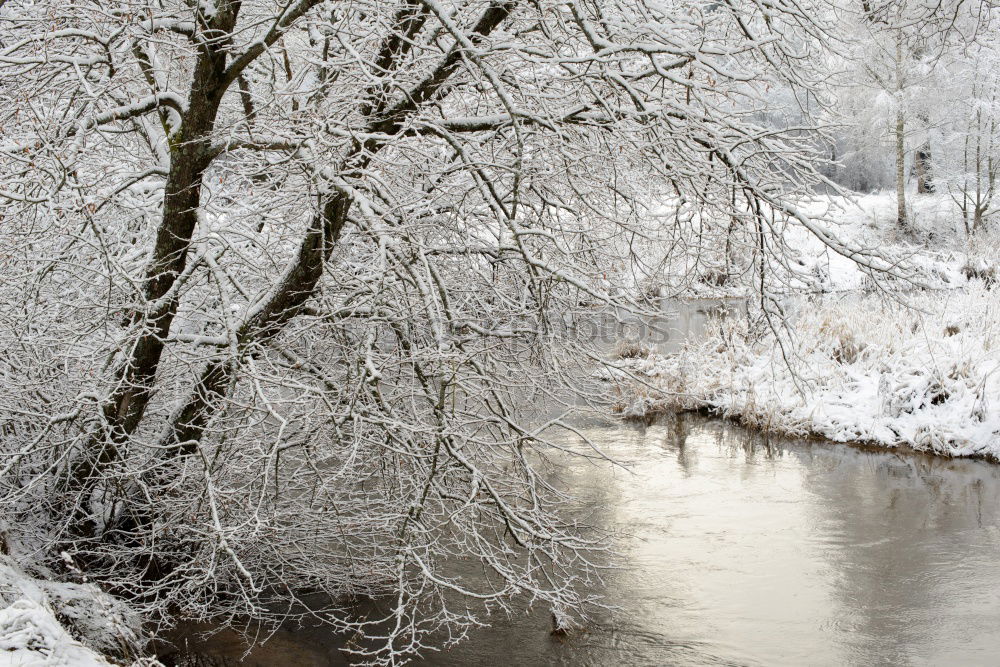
(741, 550)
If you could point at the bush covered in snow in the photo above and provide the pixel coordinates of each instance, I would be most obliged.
(923, 374)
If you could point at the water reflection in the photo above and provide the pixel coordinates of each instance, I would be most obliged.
(744, 551)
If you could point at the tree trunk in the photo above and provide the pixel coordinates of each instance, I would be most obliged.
(922, 168)
(189, 158)
(900, 169)
(900, 138)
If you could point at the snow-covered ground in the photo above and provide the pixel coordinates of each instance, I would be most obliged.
(930, 246)
(52, 624)
(932, 250)
(923, 374)
(30, 636)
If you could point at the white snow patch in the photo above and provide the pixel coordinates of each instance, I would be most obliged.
(31, 636)
(60, 623)
(932, 250)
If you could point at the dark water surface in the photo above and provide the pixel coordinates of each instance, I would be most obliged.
(741, 551)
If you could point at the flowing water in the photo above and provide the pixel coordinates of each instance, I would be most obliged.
(744, 551)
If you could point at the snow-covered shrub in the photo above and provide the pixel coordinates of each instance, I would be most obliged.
(632, 349)
(845, 347)
(983, 257)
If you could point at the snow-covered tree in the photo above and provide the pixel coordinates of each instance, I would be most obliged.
(891, 76)
(970, 131)
(285, 284)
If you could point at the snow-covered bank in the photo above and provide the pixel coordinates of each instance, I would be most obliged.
(31, 636)
(857, 368)
(47, 623)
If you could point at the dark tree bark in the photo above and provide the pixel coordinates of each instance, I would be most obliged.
(922, 169)
(190, 157)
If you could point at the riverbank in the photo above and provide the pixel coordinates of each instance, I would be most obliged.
(46, 623)
(922, 374)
